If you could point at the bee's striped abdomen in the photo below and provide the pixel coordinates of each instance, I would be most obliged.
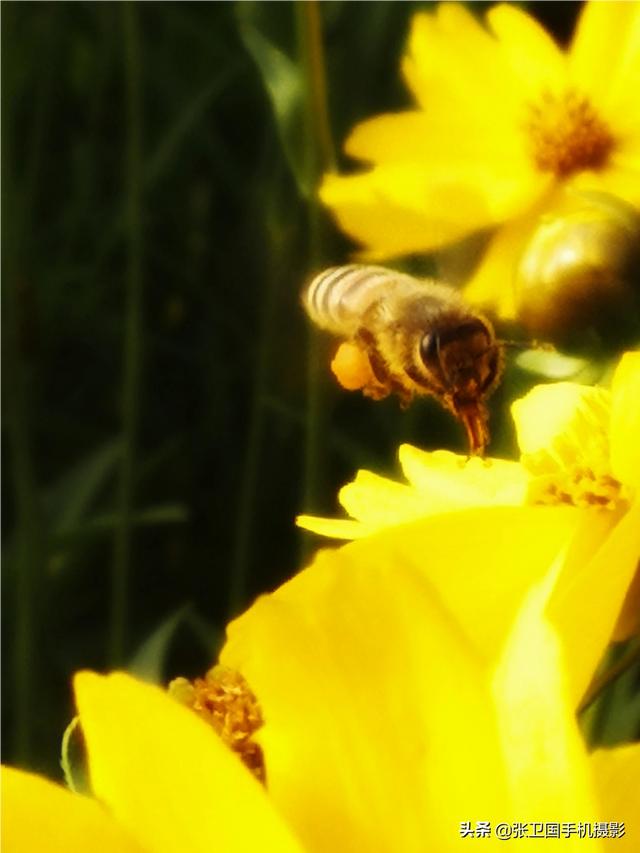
(337, 298)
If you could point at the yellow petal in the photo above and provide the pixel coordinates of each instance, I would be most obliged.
(568, 421)
(453, 57)
(439, 482)
(447, 481)
(398, 208)
(404, 207)
(40, 816)
(390, 138)
(335, 528)
(166, 776)
(438, 139)
(605, 52)
(380, 502)
(591, 589)
(545, 759)
(617, 775)
(499, 553)
(451, 147)
(368, 689)
(508, 549)
(533, 55)
(493, 284)
(625, 420)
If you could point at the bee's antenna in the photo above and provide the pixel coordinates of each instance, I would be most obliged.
(541, 345)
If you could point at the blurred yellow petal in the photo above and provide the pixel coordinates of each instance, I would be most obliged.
(394, 137)
(437, 141)
(625, 420)
(368, 687)
(493, 282)
(452, 57)
(423, 36)
(605, 51)
(396, 209)
(545, 759)
(532, 54)
(38, 815)
(617, 776)
(166, 776)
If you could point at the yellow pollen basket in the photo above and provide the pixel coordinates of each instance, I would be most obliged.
(567, 135)
(224, 700)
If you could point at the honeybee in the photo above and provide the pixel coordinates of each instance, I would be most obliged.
(409, 337)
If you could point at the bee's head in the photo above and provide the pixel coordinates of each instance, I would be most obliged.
(464, 357)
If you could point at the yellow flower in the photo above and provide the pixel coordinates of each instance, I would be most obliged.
(387, 724)
(505, 123)
(385, 729)
(163, 781)
(575, 494)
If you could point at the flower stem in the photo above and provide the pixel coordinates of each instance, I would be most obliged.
(322, 153)
(132, 343)
(320, 159)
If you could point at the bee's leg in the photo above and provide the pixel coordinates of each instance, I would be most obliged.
(382, 384)
(474, 418)
(405, 397)
(385, 382)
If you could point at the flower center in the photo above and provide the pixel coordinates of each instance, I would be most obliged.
(577, 486)
(224, 700)
(567, 135)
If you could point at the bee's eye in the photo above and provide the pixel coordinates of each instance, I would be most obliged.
(429, 349)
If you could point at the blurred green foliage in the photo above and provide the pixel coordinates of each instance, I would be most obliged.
(226, 232)
(225, 246)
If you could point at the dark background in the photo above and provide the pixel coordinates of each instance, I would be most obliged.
(162, 106)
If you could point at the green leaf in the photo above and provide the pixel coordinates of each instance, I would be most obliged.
(185, 123)
(105, 522)
(284, 83)
(148, 661)
(68, 500)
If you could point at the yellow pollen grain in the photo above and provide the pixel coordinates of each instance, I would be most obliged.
(566, 135)
(224, 700)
